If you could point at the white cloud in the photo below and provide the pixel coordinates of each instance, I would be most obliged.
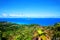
(15, 15)
(46, 15)
(4, 15)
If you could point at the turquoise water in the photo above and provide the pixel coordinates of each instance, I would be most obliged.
(40, 21)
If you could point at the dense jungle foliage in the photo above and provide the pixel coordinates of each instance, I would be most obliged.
(12, 31)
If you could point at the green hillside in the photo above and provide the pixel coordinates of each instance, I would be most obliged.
(12, 31)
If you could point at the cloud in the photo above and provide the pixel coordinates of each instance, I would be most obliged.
(12, 15)
(4, 15)
(46, 15)
(16, 15)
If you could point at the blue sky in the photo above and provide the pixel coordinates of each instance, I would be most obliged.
(30, 8)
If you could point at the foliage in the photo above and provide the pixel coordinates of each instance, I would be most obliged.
(24, 32)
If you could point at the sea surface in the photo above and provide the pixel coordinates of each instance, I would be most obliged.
(39, 21)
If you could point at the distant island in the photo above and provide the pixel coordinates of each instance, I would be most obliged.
(13, 31)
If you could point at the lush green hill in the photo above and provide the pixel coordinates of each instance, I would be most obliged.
(12, 31)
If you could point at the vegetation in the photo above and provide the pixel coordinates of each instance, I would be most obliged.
(12, 31)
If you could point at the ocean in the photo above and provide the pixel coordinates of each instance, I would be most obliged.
(39, 21)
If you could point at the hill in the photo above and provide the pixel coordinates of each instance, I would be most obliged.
(13, 31)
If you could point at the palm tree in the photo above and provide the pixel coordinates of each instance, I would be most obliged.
(40, 35)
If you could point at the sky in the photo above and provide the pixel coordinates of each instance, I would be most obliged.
(29, 8)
